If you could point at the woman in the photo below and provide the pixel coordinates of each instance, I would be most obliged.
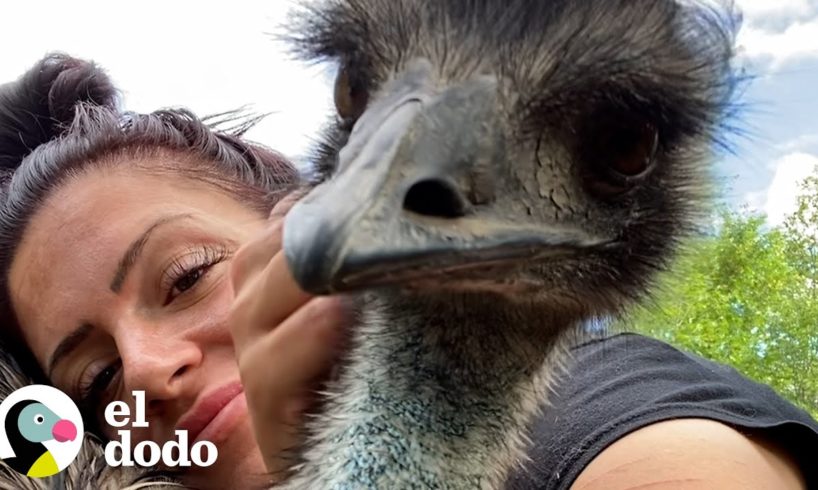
(118, 232)
(140, 253)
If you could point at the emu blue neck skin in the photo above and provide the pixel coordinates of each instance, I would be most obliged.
(432, 396)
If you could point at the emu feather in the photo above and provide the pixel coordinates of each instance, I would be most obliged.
(500, 173)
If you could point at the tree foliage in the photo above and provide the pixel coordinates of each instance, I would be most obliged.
(747, 296)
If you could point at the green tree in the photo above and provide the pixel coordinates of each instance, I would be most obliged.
(748, 297)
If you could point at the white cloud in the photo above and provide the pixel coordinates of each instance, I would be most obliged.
(799, 40)
(799, 143)
(790, 171)
(760, 9)
(778, 31)
(209, 57)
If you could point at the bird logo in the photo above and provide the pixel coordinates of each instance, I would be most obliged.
(41, 431)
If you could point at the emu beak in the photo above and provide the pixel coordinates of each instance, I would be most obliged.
(402, 204)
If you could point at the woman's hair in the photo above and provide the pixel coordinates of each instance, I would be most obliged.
(61, 118)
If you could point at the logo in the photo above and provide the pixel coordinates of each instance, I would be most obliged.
(40, 431)
(149, 453)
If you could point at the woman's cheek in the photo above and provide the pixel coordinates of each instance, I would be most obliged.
(207, 316)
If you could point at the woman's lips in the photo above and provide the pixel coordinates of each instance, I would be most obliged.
(214, 414)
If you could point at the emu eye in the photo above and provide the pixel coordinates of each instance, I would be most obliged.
(619, 153)
(350, 97)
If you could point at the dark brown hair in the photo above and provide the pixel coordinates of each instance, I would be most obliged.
(61, 118)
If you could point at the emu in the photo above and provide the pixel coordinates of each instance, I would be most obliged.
(499, 173)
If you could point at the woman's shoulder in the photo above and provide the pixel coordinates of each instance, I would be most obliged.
(692, 453)
(619, 384)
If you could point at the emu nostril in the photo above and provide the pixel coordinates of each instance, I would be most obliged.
(434, 198)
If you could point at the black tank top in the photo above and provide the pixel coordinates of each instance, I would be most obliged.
(616, 385)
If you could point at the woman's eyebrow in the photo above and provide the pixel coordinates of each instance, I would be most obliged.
(67, 345)
(132, 253)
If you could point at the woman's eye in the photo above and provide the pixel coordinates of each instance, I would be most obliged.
(188, 281)
(186, 271)
(94, 391)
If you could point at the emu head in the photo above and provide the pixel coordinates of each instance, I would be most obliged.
(546, 150)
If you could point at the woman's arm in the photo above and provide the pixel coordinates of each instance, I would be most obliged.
(690, 454)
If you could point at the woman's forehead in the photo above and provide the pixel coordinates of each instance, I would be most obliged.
(91, 216)
(95, 214)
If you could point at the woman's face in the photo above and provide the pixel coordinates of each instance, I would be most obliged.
(120, 284)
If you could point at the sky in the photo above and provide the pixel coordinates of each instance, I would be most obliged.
(213, 57)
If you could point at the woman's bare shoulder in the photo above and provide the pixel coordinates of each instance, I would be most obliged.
(691, 454)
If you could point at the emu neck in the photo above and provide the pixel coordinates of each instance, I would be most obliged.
(437, 393)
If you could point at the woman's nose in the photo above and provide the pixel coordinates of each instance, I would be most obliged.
(163, 367)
